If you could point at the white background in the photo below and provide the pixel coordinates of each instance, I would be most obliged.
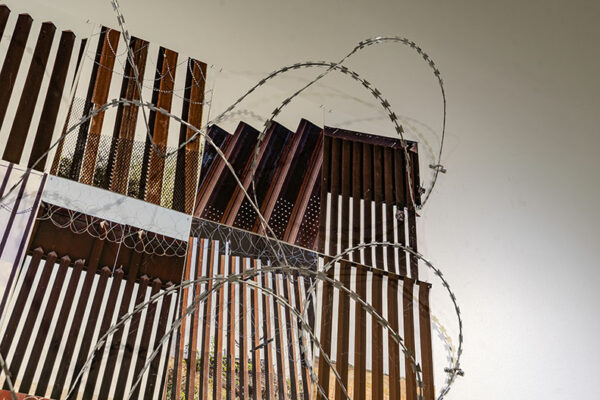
(514, 223)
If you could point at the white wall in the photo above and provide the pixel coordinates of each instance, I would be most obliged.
(513, 223)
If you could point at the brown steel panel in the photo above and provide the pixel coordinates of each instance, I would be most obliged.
(4, 13)
(327, 308)
(160, 61)
(219, 139)
(83, 130)
(59, 330)
(82, 133)
(215, 200)
(356, 197)
(126, 120)
(266, 343)
(411, 182)
(145, 340)
(134, 324)
(99, 98)
(360, 341)
(305, 373)
(412, 215)
(425, 335)
(343, 339)
(378, 197)
(44, 325)
(153, 374)
(107, 62)
(291, 339)
(239, 212)
(186, 175)
(110, 309)
(179, 185)
(412, 238)
(86, 344)
(218, 367)
(290, 181)
(361, 274)
(325, 187)
(256, 359)
(29, 95)
(334, 189)
(400, 191)
(117, 338)
(377, 336)
(394, 352)
(51, 106)
(161, 128)
(196, 102)
(206, 324)
(360, 323)
(290, 235)
(211, 173)
(246, 177)
(12, 61)
(180, 347)
(216, 170)
(367, 173)
(309, 228)
(191, 359)
(343, 312)
(409, 337)
(327, 289)
(271, 152)
(243, 338)
(414, 157)
(279, 348)
(274, 145)
(309, 184)
(77, 324)
(280, 175)
(230, 362)
(388, 186)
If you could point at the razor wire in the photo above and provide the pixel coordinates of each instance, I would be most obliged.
(136, 239)
(151, 106)
(330, 67)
